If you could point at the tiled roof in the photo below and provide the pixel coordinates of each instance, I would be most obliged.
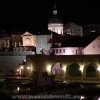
(55, 19)
(74, 41)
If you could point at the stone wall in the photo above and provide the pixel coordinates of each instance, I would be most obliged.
(39, 63)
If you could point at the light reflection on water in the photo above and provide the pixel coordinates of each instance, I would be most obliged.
(26, 90)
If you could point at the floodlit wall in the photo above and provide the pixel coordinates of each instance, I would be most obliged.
(42, 43)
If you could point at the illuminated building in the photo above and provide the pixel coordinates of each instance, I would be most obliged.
(60, 39)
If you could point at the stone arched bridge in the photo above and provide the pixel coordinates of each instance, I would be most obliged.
(74, 68)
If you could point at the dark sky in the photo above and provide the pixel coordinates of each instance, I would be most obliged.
(34, 14)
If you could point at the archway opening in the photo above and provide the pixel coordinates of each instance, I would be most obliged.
(74, 70)
(57, 69)
(91, 71)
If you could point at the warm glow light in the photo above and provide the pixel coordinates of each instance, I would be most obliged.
(82, 97)
(64, 68)
(48, 68)
(31, 67)
(81, 68)
(98, 69)
(28, 68)
(18, 88)
(17, 70)
(21, 67)
(64, 81)
(24, 60)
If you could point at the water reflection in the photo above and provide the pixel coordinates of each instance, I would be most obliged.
(18, 86)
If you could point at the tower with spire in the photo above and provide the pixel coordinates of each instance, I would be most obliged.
(55, 23)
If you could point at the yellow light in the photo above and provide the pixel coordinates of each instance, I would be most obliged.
(98, 69)
(64, 68)
(31, 68)
(18, 88)
(48, 68)
(81, 68)
(28, 68)
(21, 67)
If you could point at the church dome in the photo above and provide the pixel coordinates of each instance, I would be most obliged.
(55, 19)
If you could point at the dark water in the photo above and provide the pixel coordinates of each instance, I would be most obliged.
(75, 91)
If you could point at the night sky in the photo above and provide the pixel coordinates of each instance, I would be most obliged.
(34, 14)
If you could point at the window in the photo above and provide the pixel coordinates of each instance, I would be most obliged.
(56, 50)
(60, 50)
(63, 50)
(27, 41)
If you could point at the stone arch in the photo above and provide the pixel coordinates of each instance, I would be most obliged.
(56, 69)
(74, 70)
(91, 70)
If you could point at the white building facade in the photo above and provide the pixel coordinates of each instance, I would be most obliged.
(28, 39)
(42, 43)
(67, 50)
